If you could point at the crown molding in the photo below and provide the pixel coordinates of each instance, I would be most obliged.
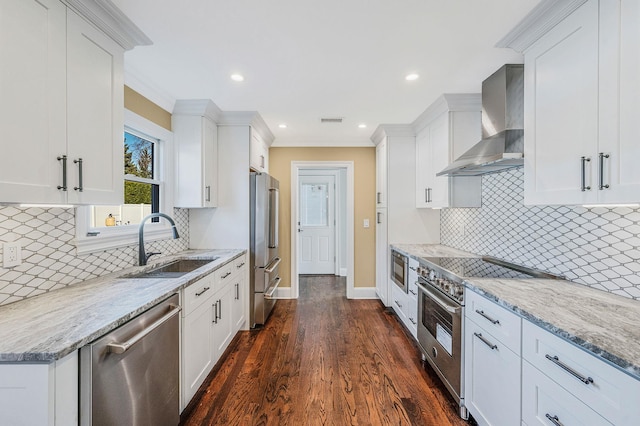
(392, 130)
(448, 102)
(109, 19)
(248, 118)
(350, 143)
(135, 81)
(546, 15)
(198, 107)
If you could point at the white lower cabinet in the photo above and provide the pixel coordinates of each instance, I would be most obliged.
(544, 401)
(492, 378)
(399, 302)
(40, 394)
(213, 312)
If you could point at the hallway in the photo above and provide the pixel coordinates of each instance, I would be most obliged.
(323, 360)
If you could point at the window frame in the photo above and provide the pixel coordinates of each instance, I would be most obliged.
(109, 237)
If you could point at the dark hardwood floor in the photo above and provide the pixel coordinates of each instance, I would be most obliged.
(323, 360)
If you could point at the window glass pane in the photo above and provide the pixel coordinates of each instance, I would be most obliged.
(314, 204)
(138, 156)
(142, 201)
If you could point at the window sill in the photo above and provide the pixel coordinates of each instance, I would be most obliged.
(121, 236)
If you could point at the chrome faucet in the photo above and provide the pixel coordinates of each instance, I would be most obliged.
(142, 256)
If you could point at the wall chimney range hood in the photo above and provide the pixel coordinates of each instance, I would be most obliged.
(502, 143)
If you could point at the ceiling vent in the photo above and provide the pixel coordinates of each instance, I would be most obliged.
(331, 120)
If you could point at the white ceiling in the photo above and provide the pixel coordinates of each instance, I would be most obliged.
(303, 60)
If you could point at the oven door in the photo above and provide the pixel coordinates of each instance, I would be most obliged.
(399, 270)
(439, 335)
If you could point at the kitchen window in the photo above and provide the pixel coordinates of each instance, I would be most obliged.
(147, 189)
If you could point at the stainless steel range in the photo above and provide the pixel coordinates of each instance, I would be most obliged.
(440, 305)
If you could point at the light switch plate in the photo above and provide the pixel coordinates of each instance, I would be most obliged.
(11, 254)
(366, 223)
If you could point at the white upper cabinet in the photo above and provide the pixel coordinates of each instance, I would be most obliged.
(196, 152)
(62, 89)
(581, 100)
(448, 128)
(258, 154)
(381, 173)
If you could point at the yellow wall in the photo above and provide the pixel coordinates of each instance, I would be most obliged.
(135, 102)
(364, 160)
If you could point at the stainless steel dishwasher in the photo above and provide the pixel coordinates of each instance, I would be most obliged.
(131, 375)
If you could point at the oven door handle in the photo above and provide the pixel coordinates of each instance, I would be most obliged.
(442, 303)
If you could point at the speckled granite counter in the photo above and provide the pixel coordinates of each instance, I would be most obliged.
(602, 323)
(417, 251)
(47, 327)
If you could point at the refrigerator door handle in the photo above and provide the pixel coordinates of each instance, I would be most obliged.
(273, 265)
(273, 217)
(269, 293)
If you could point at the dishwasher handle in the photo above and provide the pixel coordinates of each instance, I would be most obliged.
(120, 348)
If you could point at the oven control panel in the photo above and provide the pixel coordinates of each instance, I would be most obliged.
(439, 279)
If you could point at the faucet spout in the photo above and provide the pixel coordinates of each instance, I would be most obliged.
(142, 256)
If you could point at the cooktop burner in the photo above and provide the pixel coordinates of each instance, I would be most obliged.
(476, 267)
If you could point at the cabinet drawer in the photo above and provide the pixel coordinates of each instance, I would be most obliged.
(198, 293)
(239, 263)
(541, 396)
(399, 301)
(412, 316)
(610, 392)
(504, 325)
(223, 274)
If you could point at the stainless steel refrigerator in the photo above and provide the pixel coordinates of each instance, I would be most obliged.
(264, 258)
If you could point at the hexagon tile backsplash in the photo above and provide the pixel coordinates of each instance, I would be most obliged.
(49, 257)
(598, 247)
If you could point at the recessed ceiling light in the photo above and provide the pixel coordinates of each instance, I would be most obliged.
(362, 126)
(412, 77)
(282, 126)
(237, 77)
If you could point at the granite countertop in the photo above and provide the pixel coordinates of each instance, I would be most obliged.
(602, 323)
(49, 326)
(418, 251)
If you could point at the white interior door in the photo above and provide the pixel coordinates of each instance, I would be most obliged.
(316, 226)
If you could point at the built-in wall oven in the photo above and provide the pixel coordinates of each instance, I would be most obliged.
(400, 270)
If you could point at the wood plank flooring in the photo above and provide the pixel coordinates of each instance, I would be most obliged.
(323, 360)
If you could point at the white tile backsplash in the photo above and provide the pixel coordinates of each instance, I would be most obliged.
(598, 247)
(49, 257)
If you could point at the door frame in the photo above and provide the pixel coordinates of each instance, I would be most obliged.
(296, 166)
(335, 173)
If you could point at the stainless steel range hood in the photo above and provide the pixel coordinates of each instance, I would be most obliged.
(502, 143)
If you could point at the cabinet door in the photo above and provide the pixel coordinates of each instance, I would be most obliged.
(197, 349)
(258, 154)
(382, 257)
(210, 163)
(619, 134)
(95, 115)
(492, 378)
(223, 324)
(423, 169)
(561, 111)
(33, 92)
(440, 155)
(238, 302)
(381, 174)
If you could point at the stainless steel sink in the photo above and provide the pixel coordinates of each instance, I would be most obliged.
(174, 269)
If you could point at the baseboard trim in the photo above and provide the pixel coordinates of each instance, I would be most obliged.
(283, 293)
(343, 272)
(363, 293)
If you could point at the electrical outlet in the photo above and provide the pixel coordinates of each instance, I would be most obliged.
(365, 223)
(12, 254)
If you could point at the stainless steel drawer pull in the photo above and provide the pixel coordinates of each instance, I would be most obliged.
(240, 265)
(226, 275)
(219, 310)
(565, 367)
(583, 183)
(379, 215)
(215, 313)
(554, 419)
(601, 184)
(413, 292)
(208, 191)
(378, 197)
(273, 265)
(398, 303)
(120, 348)
(413, 321)
(487, 317)
(200, 293)
(485, 341)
